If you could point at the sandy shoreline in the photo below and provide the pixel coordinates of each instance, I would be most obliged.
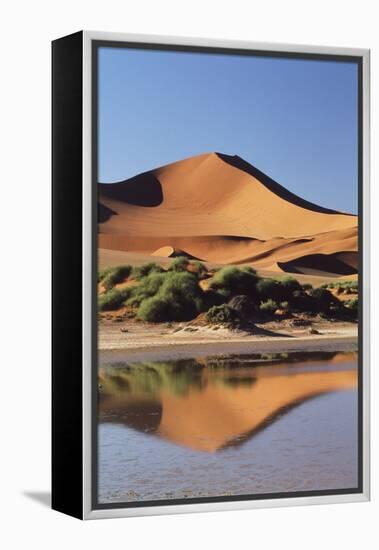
(147, 343)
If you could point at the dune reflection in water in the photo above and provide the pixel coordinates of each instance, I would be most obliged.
(219, 422)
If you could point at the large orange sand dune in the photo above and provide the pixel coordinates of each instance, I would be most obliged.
(222, 210)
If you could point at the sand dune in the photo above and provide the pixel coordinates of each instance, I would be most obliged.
(221, 209)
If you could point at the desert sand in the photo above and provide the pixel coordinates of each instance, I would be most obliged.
(222, 210)
(147, 341)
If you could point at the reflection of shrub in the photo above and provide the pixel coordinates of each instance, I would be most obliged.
(232, 280)
(113, 299)
(143, 270)
(116, 275)
(180, 263)
(269, 306)
(223, 314)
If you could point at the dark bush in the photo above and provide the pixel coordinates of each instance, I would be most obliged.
(243, 305)
(306, 286)
(277, 290)
(223, 314)
(323, 300)
(289, 285)
(300, 301)
(214, 298)
(269, 306)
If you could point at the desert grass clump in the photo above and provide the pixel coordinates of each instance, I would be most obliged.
(179, 264)
(102, 273)
(148, 287)
(343, 287)
(113, 299)
(222, 314)
(231, 281)
(199, 268)
(116, 275)
(143, 270)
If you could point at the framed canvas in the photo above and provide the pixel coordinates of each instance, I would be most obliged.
(210, 275)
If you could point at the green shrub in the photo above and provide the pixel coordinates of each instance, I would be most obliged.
(352, 305)
(277, 290)
(179, 264)
(156, 310)
(183, 288)
(147, 287)
(269, 306)
(200, 269)
(176, 296)
(145, 269)
(232, 281)
(113, 299)
(116, 275)
(222, 314)
(348, 287)
(268, 289)
(102, 273)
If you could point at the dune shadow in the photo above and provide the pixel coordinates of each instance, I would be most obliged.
(282, 192)
(141, 190)
(327, 263)
(42, 497)
(104, 213)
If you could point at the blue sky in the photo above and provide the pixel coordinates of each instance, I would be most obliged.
(295, 120)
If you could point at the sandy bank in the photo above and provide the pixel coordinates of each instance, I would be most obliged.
(131, 342)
